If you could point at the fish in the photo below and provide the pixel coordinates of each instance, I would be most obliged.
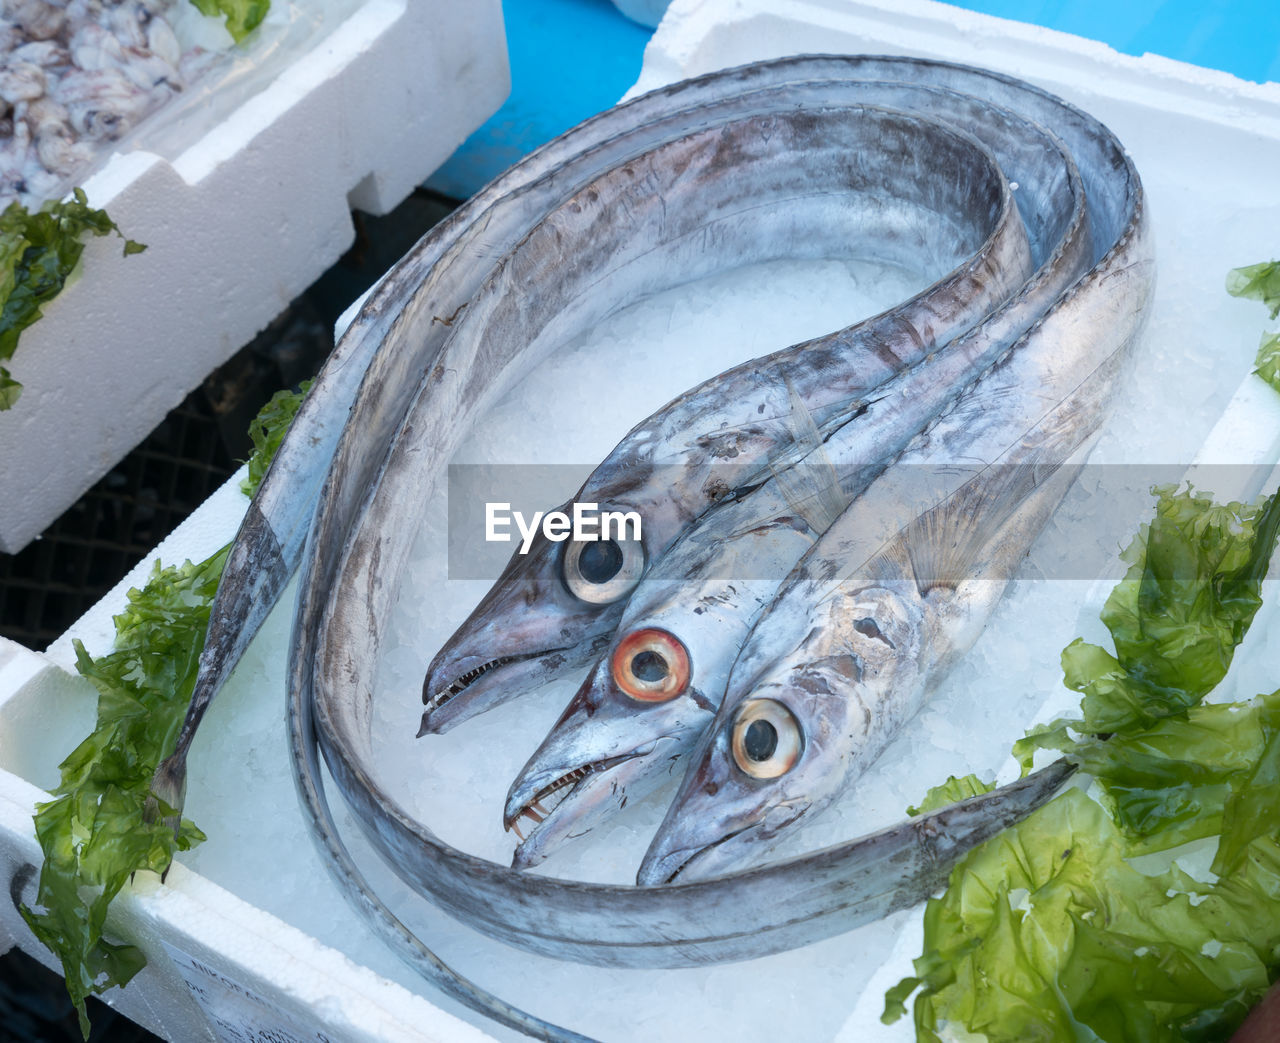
(623, 731)
(393, 452)
(887, 599)
(692, 609)
(466, 269)
(556, 602)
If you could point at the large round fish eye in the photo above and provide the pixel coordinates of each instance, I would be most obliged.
(766, 739)
(600, 572)
(650, 665)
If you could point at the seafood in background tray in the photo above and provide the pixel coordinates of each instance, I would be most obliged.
(76, 75)
(921, 196)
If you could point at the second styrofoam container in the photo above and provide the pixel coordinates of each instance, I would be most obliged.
(237, 224)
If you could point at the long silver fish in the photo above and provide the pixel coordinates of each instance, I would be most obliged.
(655, 690)
(918, 190)
(527, 629)
(621, 734)
(897, 589)
(476, 262)
(394, 452)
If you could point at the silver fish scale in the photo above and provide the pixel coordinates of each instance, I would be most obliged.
(406, 366)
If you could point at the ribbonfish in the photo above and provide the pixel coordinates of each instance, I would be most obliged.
(662, 678)
(412, 409)
(899, 587)
(514, 640)
(828, 180)
(685, 620)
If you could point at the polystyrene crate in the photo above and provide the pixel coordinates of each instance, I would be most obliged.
(1202, 141)
(236, 226)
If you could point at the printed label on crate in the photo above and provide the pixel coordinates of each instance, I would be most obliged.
(236, 1013)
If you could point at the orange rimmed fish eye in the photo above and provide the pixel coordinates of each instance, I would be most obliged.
(650, 665)
(766, 739)
(601, 572)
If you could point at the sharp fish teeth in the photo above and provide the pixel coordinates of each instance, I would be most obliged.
(466, 680)
(537, 811)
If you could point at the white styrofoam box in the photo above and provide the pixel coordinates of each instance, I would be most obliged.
(1191, 133)
(236, 226)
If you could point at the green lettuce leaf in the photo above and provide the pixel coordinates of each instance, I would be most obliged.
(1267, 363)
(267, 431)
(93, 833)
(241, 16)
(1191, 591)
(37, 253)
(1047, 931)
(950, 792)
(1257, 282)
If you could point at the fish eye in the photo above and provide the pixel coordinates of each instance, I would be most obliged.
(601, 572)
(766, 739)
(650, 665)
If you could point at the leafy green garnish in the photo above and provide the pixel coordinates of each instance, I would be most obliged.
(1192, 588)
(1257, 282)
(242, 16)
(1047, 931)
(267, 431)
(93, 833)
(950, 792)
(1267, 362)
(37, 253)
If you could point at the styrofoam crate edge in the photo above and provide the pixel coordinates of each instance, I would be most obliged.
(694, 38)
(262, 211)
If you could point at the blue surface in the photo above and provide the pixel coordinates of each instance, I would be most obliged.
(573, 58)
(1238, 36)
(569, 60)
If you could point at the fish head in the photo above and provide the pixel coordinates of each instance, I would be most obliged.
(784, 745)
(622, 733)
(552, 608)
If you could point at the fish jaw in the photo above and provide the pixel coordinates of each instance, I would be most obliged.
(604, 749)
(571, 802)
(832, 702)
(528, 630)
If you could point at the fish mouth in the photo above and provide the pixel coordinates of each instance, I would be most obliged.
(540, 806)
(655, 873)
(433, 701)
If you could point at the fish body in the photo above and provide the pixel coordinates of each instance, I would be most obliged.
(402, 430)
(683, 460)
(894, 591)
(696, 604)
(545, 613)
